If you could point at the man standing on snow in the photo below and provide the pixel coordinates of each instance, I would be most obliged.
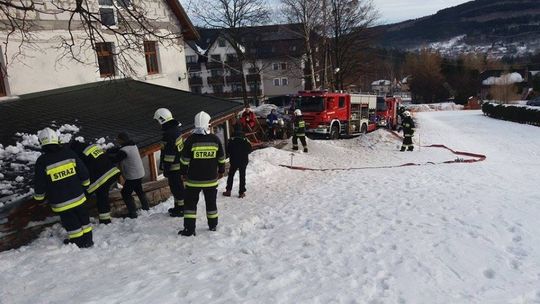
(202, 164)
(61, 178)
(132, 169)
(102, 176)
(408, 131)
(172, 144)
(299, 130)
(238, 149)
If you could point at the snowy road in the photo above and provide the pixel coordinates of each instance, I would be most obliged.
(459, 233)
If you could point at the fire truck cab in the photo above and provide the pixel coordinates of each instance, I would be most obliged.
(337, 114)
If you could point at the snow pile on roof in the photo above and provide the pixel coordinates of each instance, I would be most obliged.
(505, 79)
(264, 109)
(381, 83)
(444, 106)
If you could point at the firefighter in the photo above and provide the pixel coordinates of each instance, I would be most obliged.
(272, 123)
(171, 150)
(299, 130)
(103, 174)
(202, 164)
(238, 149)
(61, 178)
(408, 132)
(132, 169)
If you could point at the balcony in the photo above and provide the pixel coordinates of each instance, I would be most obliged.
(235, 64)
(193, 67)
(195, 80)
(235, 79)
(215, 80)
(214, 65)
(253, 78)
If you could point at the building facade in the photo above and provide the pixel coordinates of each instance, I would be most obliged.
(41, 63)
(274, 62)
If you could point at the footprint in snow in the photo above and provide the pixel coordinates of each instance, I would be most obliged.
(489, 273)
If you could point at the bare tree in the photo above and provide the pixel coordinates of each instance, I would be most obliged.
(232, 16)
(307, 13)
(347, 27)
(84, 24)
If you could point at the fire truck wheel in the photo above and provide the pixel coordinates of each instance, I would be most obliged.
(334, 132)
(364, 129)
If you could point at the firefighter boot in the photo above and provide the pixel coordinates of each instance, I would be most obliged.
(305, 150)
(410, 148)
(187, 232)
(227, 193)
(402, 149)
(242, 195)
(87, 240)
(105, 221)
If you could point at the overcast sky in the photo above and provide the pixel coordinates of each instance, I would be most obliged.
(392, 11)
(399, 10)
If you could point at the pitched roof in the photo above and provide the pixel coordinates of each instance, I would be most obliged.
(189, 32)
(103, 109)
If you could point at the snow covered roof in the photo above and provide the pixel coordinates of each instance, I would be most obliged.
(504, 79)
(381, 83)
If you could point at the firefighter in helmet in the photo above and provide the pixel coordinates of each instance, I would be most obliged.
(202, 163)
(103, 174)
(299, 130)
(408, 131)
(172, 144)
(61, 178)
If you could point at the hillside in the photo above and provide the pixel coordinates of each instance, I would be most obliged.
(497, 27)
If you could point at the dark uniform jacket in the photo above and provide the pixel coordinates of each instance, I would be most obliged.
(239, 149)
(172, 144)
(202, 159)
(299, 126)
(60, 177)
(408, 126)
(100, 167)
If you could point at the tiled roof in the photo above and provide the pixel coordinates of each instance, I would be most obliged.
(103, 109)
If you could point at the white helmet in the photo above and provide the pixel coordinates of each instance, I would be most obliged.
(47, 136)
(297, 112)
(163, 115)
(202, 121)
(407, 113)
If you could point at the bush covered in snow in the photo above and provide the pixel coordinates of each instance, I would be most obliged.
(515, 113)
(444, 106)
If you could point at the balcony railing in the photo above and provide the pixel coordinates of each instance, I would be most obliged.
(193, 66)
(214, 65)
(215, 80)
(235, 78)
(195, 80)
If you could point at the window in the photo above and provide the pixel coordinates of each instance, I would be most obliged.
(191, 59)
(221, 42)
(284, 82)
(283, 65)
(253, 71)
(275, 66)
(342, 102)
(150, 54)
(276, 82)
(218, 89)
(105, 56)
(124, 3)
(106, 12)
(232, 58)
(215, 58)
(236, 88)
(216, 72)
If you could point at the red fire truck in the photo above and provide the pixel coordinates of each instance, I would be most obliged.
(387, 112)
(337, 114)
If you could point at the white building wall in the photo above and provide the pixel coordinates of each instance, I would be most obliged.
(39, 66)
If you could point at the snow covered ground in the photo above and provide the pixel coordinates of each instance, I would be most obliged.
(454, 233)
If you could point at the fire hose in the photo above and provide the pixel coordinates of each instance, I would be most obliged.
(474, 158)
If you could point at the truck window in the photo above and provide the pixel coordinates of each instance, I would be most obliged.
(311, 103)
(381, 104)
(342, 102)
